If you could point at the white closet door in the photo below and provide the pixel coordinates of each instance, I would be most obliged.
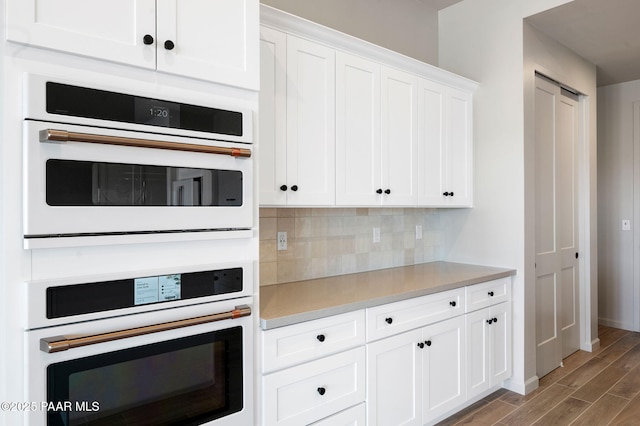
(556, 124)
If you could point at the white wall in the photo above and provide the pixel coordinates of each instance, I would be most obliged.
(618, 198)
(484, 41)
(409, 27)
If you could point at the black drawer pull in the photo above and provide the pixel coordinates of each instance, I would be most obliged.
(421, 345)
(427, 342)
(320, 337)
(322, 391)
(490, 293)
(489, 321)
(453, 303)
(389, 320)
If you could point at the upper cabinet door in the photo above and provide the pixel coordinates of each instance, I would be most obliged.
(460, 148)
(432, 146)
(399, 124)
(358, 163)
(310, 123)
(273, 119)
(113, 30)
(210, 40)
(446, 146)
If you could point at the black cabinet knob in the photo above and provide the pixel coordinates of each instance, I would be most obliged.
(147, 39)
(421, 345)
(453, 303)
(387, 191)
(283, 188)
(427, 342)
(490, 294)
(322, 391)
(169, 45)
(489, 321)
(446, 194)
(389, 320)
(451, 193)
(379, 191)
(294, 188)
(495, 319)
(320, 337)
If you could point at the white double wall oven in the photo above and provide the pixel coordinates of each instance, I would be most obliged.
(138, 234)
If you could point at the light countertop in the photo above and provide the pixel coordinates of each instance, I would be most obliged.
(294, 302)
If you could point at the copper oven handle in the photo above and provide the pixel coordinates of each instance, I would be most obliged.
(51, 135)
(63, 343)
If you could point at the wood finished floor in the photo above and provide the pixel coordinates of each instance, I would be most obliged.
(593, 388)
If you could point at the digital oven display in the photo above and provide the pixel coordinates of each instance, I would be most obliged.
(156, 112)
(162, 288)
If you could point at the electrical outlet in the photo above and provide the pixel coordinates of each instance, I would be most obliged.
(376, 235)
(282, 240)
(418, 232)
(626, 225)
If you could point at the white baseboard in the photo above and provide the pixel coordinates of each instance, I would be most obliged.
(520, 387)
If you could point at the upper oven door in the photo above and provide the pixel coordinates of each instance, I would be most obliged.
(105, 181)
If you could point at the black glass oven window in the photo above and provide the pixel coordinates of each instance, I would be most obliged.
(185, 381)
(77, 101)
(78, 299)
(89, 183)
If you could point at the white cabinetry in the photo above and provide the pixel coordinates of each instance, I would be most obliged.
(488, 318)
(309, 392)
(401, 134)
(310, 123)
(445, 147)
(214, 41)
(298, 166)
(358, 163)
(425, 357)
(314, 370)
(273, 117)
(376, 142)
(394, 380)
(417, 375)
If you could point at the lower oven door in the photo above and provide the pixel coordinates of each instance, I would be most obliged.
(181, 375)
(106, 181)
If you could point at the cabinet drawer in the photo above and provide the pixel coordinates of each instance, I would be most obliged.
(394, 318)
(354, 416)
(295, 344)
(480, 296)
(315, 390)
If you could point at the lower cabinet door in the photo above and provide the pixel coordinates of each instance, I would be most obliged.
(478, 347)
(354, 416)
(309, 392)
(444, 385)
(394, 374)
(500, 349)
(489, 348)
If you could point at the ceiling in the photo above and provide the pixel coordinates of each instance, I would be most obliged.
(606, 33)
(440, 4)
